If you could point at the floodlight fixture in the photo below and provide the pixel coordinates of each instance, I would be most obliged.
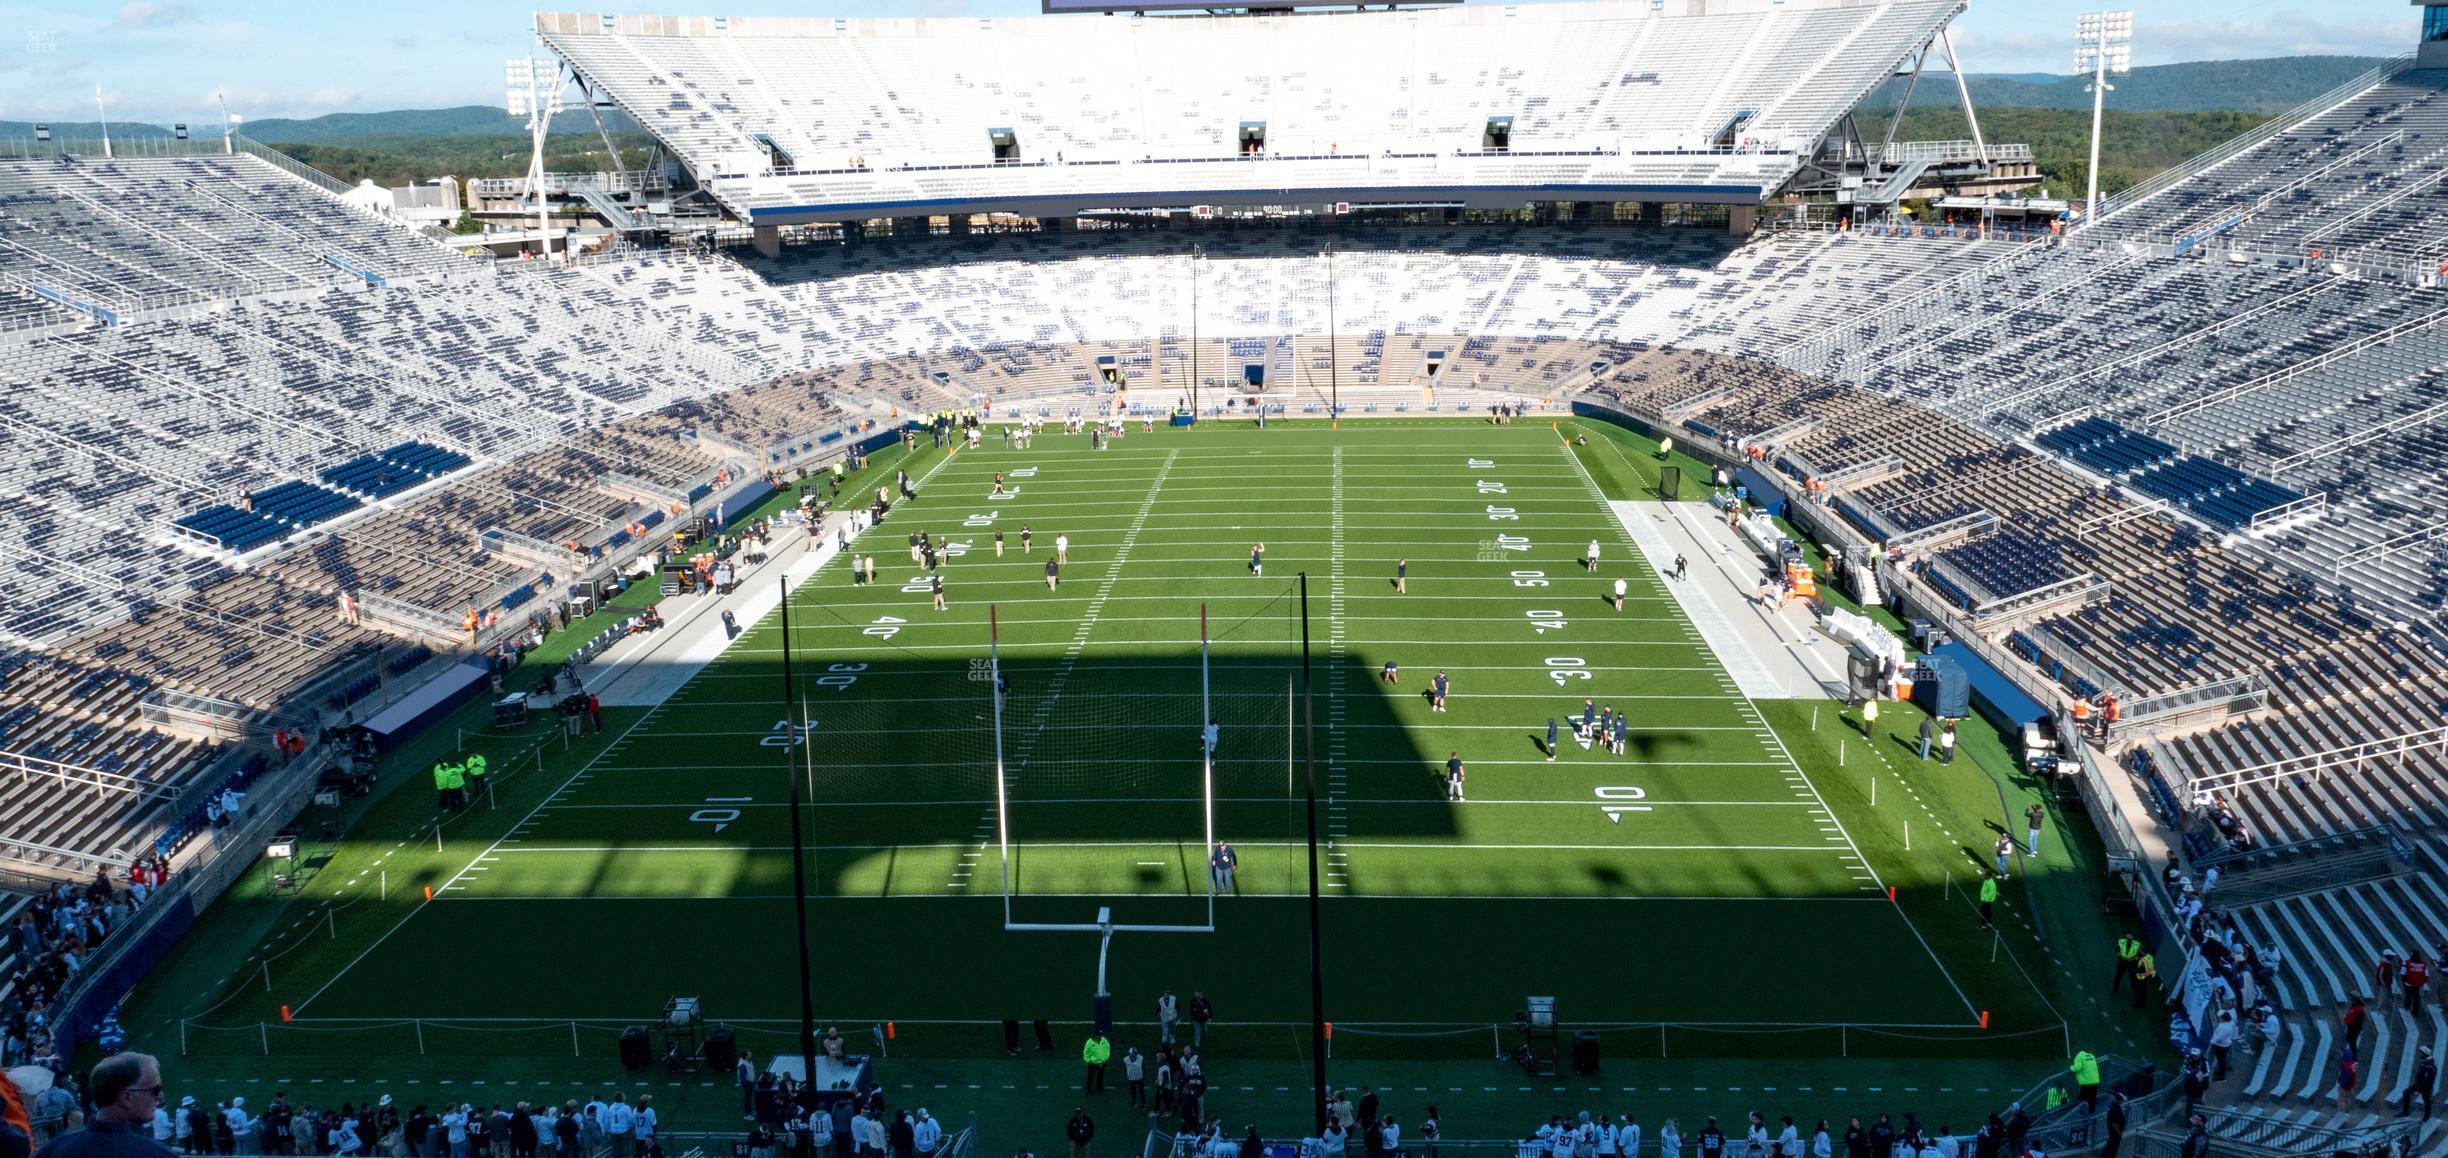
(2103, 43)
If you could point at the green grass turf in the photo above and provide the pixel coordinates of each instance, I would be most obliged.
(1100, 743)
(1748, 895)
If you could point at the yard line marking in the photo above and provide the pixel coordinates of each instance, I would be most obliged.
(1338, 855)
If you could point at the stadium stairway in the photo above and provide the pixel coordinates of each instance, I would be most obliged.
(2332, 939)
(2256, 1131)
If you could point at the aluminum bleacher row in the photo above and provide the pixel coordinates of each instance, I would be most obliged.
(2358, 175)
(2224, 497)
(2184, 610)
(135, 232)
(2106, 447)
(2273, 379)
(2004, 564)
(387, 472)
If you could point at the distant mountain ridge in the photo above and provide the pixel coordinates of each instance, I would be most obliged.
(2266, 86)
(335, 128)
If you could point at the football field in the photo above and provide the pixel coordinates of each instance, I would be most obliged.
(1698, 877)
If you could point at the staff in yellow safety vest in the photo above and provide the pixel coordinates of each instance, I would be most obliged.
(2128, 952)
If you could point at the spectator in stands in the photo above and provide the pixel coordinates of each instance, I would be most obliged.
(2424, 1083)
(126, 1090)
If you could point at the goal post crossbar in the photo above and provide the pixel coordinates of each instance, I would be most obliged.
(1093, 927)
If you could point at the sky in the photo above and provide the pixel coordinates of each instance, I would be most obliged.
(162, 60)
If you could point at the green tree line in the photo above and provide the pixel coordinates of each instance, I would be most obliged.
(2133, 146)
(401, 160)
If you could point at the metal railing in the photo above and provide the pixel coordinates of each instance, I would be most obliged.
(172, 709)
(78, 776)
(2295, 1138)
(408, 618)
(55, 859)
(2223, 698)
(290, 165)
(1947, 151)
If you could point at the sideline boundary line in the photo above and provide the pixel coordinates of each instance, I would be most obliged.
(1750, 704)
(490, 850)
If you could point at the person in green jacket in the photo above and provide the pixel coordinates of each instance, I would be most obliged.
(454, 785)
(1988, 899)
(2086, 1078)
(475, 779)
(442, 784)
(1096, 1053)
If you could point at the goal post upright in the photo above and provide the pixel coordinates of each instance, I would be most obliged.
(1104, 924)
(994, 672)
(1209, 737)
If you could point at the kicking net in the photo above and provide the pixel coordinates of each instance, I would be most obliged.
(1117, 772)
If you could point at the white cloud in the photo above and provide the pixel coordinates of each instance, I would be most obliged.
(145, 14)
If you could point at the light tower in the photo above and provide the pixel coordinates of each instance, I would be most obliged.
(104, 112)
(533, 90)
(2103, 43)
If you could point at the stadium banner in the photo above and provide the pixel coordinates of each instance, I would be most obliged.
(1583, 408)
(395, 726)
(1761, 490)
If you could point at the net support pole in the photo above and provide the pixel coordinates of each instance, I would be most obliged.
(795, 734)
(1317, 960)
(1208, 738)
(994, 670)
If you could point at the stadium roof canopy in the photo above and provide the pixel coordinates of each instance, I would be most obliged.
(795, 120)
